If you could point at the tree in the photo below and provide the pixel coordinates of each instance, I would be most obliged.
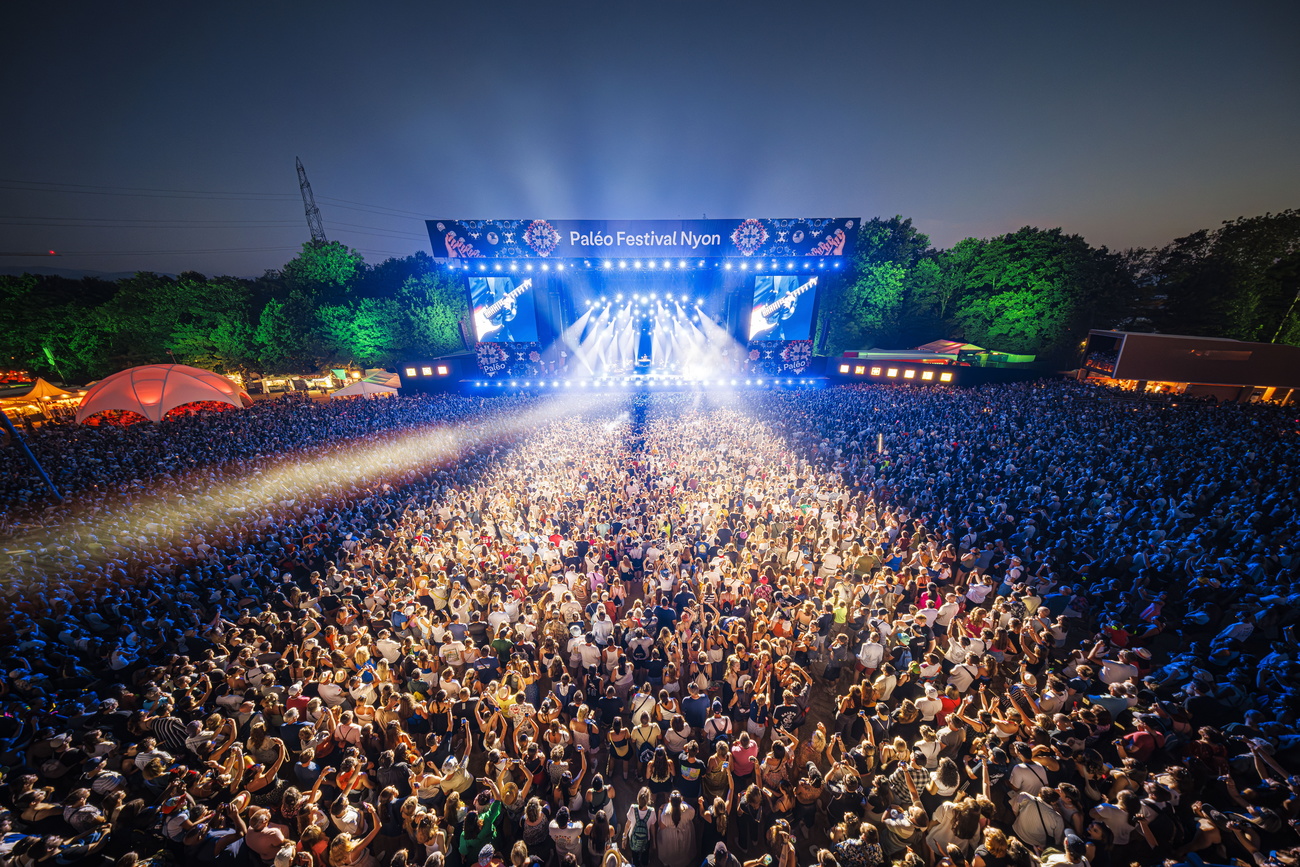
(1036, 291)
(323, 273)
(1230, 282)
(368, 332)
(434, 304)
(869, 306)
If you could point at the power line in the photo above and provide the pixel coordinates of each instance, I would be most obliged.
(134, 190)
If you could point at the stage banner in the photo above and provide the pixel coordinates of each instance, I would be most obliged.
(775, 357)
(626, 239)
(508, 359)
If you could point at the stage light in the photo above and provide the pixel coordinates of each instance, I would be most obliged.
(618, 297)
(410, 371)
(909, 374)
(496, 267)
(482, 267)
(807, 265)
(893, 371)
(727, 266)
(875, 371)
(701, 263)
(588, 302)
(654, 296)
(652, 264)
(514, 266)
(945, 377)
(837, 264)
(861, 369)
(927, 375)
(844, 368)
(744, 266)
(636, 264)
(684, 299)
(758, 266)
(545, 266)
(442, 370)
(790, 265)
(559, 266)
(606, 264)
(514, 384)
(622, 264)
(582, 384)
(681, 264)
(427, 371)
(758, 382)
(733, 382)
(749, 382)
(528, 384)
(528, 267)
(821, 264)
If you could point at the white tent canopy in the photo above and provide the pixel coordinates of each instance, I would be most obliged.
(362, 388)
(153, 390)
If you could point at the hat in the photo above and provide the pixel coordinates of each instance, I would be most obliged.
(1262, 818)
(486, 854)
(931, 689)
(1144, 652)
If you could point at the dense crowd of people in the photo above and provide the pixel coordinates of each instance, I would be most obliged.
(1038, 627)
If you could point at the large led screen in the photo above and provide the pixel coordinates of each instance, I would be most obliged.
(503, 310)
(783, 308)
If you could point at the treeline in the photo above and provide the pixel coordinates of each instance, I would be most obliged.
(1038, 291)
(1035, 291)
(326, 308)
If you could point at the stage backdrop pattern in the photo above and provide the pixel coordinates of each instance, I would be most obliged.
(646, 239)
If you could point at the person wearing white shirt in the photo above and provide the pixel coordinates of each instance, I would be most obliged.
(871, 653)
(387, 647)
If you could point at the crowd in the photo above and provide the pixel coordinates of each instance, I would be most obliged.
(1037, 628)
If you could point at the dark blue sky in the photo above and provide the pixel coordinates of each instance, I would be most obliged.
(1129, 123)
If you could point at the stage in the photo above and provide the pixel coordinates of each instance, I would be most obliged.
(666, 304)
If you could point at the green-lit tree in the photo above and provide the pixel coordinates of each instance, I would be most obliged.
(1036, 291)
(869, 307)
(323, 273)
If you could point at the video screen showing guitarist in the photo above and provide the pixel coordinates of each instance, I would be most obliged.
(783, 308)
(503, 310)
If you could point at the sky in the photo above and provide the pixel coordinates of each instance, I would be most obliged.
(162, 136)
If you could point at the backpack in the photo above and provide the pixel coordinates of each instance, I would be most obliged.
(638, 839)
